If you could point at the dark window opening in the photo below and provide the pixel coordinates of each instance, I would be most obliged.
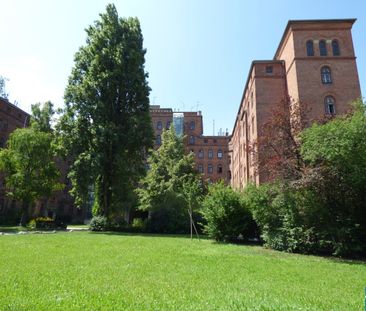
(192, 125)
(191, 140)
(159, 125)
(326, 75)
(330, 105)
(310, 48)
(335, 48)
(323, 48)
(269, 69)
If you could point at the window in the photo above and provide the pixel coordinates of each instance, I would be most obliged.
(210, 154)
(191, 140)
(323, 48)
(205, 140)
(159, 125)
(200, 168)
(326, 75)
(329, 105)
(269, 69)
(310, 48)
(219, 153)
(209, 168)
(335, 48)
(158, 140)
(219, 169)
(201, 154)
(167, 125)
(192, 125)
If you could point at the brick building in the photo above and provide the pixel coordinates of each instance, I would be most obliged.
(314, 64)
(11, 118)
(61, 203)
(211, 152)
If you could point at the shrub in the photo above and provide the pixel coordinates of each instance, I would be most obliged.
(42, 223)
(228, 218)
(98, 223)
(170, 217)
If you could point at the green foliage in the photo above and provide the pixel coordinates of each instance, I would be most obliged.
(41, 118)
(324, 211)
(106, 126)
(171, 186)
(98, 223)
(30, 172)
(226, 214)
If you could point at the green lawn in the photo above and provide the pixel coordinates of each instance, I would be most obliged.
(96, 271)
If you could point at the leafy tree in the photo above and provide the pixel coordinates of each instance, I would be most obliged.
(42, 116)
(106, 126)
(3, 92)
(277, 151)
(226, 214)
(29, 168)
(323, 210)
(170, 189)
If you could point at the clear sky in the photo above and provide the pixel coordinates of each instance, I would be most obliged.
(198, 51)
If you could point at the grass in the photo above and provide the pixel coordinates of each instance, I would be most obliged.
(101, 271)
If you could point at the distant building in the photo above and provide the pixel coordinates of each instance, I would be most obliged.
(211, 152)
(314, 65)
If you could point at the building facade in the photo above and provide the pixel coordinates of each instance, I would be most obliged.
(314, 65)
(211, 152)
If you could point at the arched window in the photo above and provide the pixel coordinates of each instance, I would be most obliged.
(219, 169)
(323, 48)
(158, 140)
(310, 48)
(326, 75)
(209, 168)
(159, 125)
(201, 154)
(219, 153)
(191, 140)
(167, 125)
(329, 105)
(335, 48)
(210, 154)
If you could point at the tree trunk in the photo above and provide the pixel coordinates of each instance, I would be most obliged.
(25, 214)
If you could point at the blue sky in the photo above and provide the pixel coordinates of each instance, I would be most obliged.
(198, 51)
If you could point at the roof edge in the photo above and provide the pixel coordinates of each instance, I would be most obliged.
(310, 21)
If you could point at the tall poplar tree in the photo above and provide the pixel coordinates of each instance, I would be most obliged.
(106, 127)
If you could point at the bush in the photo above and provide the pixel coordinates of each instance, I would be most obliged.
(228, 218)
(98, 223)
(299, 219)
(42, 223)
(170, 217)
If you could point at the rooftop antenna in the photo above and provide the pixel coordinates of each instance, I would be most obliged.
(213, 125)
